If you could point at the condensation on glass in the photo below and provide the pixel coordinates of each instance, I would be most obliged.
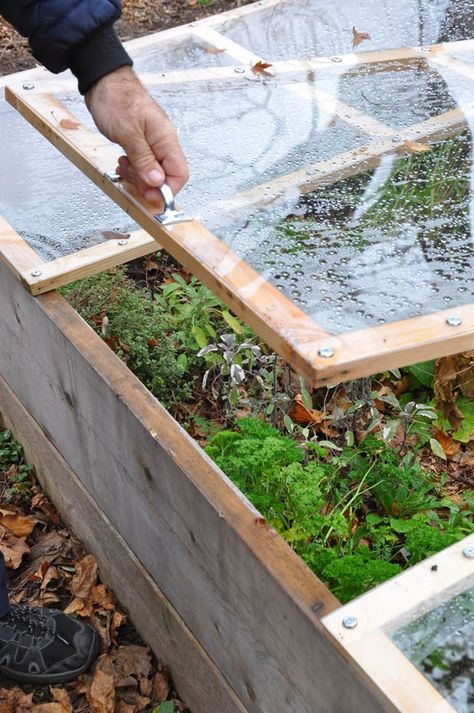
(439, 641)
(306, 174)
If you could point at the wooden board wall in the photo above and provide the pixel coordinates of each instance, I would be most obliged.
(246, 597)
(199, 681)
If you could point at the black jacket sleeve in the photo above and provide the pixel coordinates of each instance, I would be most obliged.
(75, 34)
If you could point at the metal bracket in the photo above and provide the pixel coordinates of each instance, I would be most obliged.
(171, 215)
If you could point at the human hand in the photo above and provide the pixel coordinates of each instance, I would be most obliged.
(126, 114)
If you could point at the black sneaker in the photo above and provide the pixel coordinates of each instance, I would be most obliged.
(45, 646)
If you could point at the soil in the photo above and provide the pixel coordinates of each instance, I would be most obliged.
(140, 17)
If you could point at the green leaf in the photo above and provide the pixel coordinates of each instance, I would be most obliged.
(423, 372)
(389, 430)
(165, 707)
(466, 430)
(437, 448)
(289, 425)
(305, 395)
(349, 436)
(234, 397)
(182, 362)
(200, 336)
(233, 322)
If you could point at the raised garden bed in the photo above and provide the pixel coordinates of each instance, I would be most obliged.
(358, 508)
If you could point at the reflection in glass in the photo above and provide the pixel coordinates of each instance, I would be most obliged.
(441, 645)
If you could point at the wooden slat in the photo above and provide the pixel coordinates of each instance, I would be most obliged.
(344, 165)
(198, 680)
(89, 261)
(390, 606)
(215, 39)
(245, 596)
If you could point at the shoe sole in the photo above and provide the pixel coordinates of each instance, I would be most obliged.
(45, 679)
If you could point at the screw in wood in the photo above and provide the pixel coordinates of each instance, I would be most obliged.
(239, 70)
(468, 552)
(350, 622)
(454, 321)
(36, 273)
(122, 242)
(28, 85)
(326, 352)
(336, 59)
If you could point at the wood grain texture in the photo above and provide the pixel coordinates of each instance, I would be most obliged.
(87, 262)
(237, 586)
(195, 676)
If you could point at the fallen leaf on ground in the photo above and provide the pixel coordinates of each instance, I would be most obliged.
(13, 550)
(19, 525)
(450, 447)
(260, 68)
(213, 50)
(416, 146)
(101, 695)
(41, 502)
(161, 686)
(130, 661)
(358, 37)
(62, 703)
(301, 414)
(85, 577)
(13, 700)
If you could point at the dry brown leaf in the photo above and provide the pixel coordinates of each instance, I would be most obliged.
(85, 577)
(300, 413)
(102, 597)
(13, 700)
(260, 68)
(114, 235)
(130, 661)
(123, 707)
(161, 686)
(62, 703)
(446, 373)
(81, 607)
(358, 37)
(101, 695)
(69, 124)
(117, 620)
(416, 146)
(450, 447)
(41, 502)
(19, 525)
(213, 50)
(13, 550)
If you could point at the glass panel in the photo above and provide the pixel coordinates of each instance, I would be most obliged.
(184, 53)
(319, 28)
(440, 644)
(49, 202)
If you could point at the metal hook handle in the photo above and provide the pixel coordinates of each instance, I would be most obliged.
(168, 197)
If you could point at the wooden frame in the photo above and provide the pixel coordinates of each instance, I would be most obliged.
(391, 605)
(285, 327)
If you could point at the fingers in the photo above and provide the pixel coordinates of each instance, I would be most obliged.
(126, 171)
(143, 160)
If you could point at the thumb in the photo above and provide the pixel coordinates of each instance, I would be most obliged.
(144, 161)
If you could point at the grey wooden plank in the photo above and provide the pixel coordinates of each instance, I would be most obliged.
(197, 678)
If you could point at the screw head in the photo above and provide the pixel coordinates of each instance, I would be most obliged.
(454, 321)
(28, 85)
(350, 622)
(36, 273)
(336, 59)
(326, 352)
(469, 552)
(122, 242)
(396, 139)
(239, 70)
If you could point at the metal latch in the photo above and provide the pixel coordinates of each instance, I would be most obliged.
(171, 214)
